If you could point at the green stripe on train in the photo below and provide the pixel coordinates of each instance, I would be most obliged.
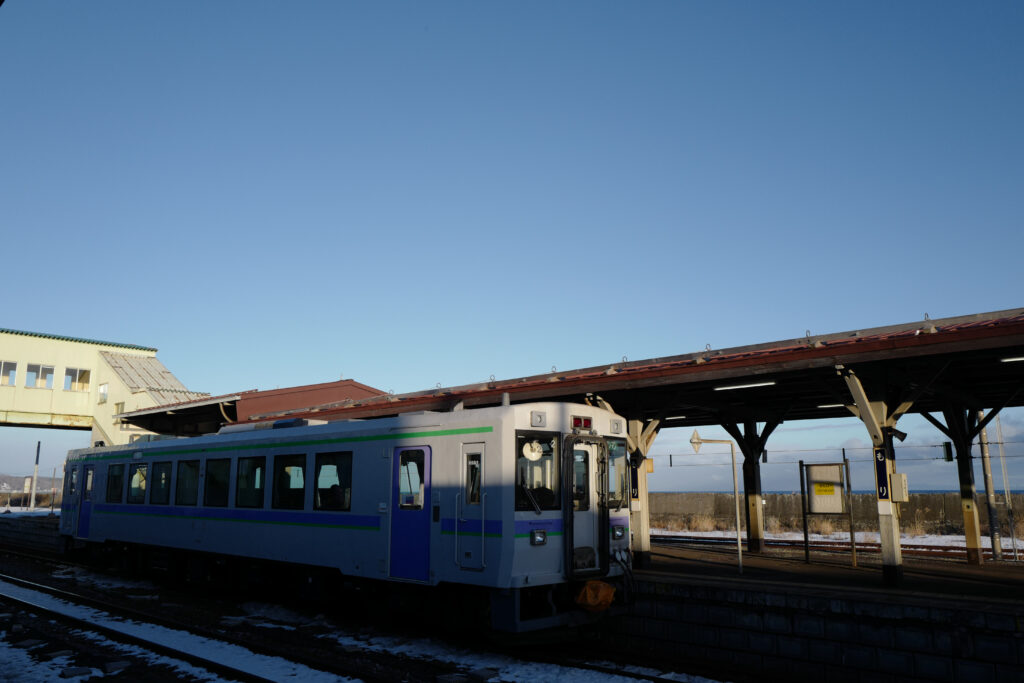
(288, 444)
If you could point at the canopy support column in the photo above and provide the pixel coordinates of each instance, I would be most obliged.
(881, 426)
(752, 444)
(639, 439)
(962, 426)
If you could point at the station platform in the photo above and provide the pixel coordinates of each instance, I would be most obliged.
(951, 578)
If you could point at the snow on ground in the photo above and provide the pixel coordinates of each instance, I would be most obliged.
(15, 511)
(18, 666)
(225, 653)
(504, 668)
(24, 669)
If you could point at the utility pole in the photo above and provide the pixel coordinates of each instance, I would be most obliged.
(990, 494)
(35, 477)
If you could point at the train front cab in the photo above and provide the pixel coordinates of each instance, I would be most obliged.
(572, 512)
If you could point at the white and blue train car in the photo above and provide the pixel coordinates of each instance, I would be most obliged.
(529, 501)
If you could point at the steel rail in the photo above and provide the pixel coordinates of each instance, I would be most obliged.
(938, 551)
(114, 634)
(371, 670)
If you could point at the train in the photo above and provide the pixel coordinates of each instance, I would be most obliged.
(525, 504)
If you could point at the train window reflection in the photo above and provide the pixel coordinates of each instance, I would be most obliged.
(618, 473)
(186, 491)
(115, 483)
(290, 482)
(250, 482)
(410, 480)
(580, 480)
(472, 478)
(537, 463)
(137, 483)
(215, 492)
(333, 481)
(160, 488)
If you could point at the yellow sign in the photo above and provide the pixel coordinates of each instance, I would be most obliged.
(824, 489)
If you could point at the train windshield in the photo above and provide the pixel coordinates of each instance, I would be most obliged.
(618, 474)
(537, 467)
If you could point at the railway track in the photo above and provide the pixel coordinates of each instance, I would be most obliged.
(944, 552)
(322, 653)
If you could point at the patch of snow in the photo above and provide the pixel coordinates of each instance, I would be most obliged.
(218, 651)
(18, 666)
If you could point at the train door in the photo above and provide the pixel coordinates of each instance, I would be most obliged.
(471, 509)
(69, 502)
(586, 510)
(410, 517)
(85, 507)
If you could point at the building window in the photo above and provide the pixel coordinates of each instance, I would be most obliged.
(289, 482)
(8, 373)
(39, 376)
(215, 491)
(104, 389)
(333, 481)
(160, 491)
(76, 380)
(115, 483)
(137, 483)
(186, 491)
(250, 483)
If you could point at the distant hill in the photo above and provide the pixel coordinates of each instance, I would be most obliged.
(17, 483)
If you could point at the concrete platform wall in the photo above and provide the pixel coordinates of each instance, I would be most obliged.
(775, 633)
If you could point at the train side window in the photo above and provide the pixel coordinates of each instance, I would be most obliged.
(250, 482)
(289, 482)
(333, 481)
(218, 475)
(580, 480)
(186, 491)
(537, 471)
(115, 483)
(137, 483)
(618, 474)
(160, 489)
(472, 478)
(410, 480)
(87, 493)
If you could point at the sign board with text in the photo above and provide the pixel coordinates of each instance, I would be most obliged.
(825, 489)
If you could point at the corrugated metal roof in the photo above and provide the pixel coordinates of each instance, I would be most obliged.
(147, 373)
(58, 337)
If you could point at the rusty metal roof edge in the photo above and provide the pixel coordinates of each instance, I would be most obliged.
(747, 353)
(81, 340)
(193, 403)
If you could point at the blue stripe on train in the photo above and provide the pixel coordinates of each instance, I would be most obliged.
(257, 516)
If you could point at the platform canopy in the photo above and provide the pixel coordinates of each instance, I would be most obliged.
(975, 361)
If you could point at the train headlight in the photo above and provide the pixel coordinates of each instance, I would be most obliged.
(538, 537)
(618, 533)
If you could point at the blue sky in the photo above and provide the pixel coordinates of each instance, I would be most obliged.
(417, 193)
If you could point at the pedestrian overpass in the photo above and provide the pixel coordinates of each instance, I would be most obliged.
(59, 382)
